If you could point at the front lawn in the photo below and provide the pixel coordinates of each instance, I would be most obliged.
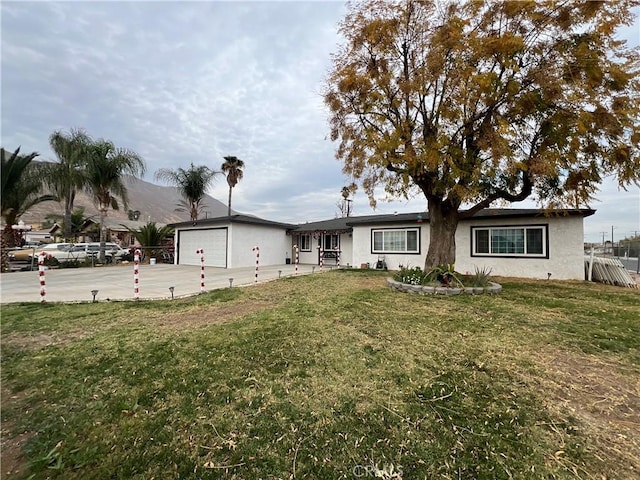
(327, 376)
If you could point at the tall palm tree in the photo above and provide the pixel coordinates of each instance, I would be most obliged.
(67, 176)
(21, 188)
(192, 185)
(232, 166)
(106, 167)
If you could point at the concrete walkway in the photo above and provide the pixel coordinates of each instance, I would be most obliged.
(115, 282)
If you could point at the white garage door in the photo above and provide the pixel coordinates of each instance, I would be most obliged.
(213, 241)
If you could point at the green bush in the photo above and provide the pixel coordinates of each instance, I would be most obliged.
(481, 277)
(72, 263)
(411, 276)
(51, 262)
(445, 275)
(442, 275)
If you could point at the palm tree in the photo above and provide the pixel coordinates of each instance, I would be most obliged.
(150, 237)
(192, 185)
(232, 166)
(67, 176)
(78, 219)
(21, 188)
(106, 167)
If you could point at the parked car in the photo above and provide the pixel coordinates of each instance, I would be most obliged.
(33, 244)
(112, 251)
(82, 251)
(20, 254)
(49, 249)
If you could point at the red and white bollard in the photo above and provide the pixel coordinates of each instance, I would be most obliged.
(257, 250)
(43, 291)
(136, 274)
(200, 251)
(295, 247)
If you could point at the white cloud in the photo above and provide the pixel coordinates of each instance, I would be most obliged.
(191, 82)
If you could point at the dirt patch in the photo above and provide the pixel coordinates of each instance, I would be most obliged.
(12, 461)
(213, 315)
(37, 341)
(604, 398)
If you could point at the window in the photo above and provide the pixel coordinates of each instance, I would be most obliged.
(406, 240)
(304, 242)
(520, 241)
(331, 242)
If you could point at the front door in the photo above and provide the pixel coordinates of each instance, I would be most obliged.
(330, 243)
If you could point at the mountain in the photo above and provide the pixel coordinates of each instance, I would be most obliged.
(156, 203)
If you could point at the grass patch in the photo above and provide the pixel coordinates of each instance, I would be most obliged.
(328, 376)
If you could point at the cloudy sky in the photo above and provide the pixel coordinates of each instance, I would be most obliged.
(191, 82)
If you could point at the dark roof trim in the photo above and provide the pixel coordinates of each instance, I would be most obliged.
(346, 224)
(486, 213)
(238, 218)
(337, 225)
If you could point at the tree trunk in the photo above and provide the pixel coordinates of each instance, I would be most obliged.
(443, 223)
(103, 236)
(66, 226)
(4, 260)
(229, 204)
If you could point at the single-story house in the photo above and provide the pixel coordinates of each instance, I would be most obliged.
(511, 242)
(228, 241)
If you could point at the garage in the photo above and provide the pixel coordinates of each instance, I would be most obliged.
(212, 240)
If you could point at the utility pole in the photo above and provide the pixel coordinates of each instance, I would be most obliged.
(612, 250)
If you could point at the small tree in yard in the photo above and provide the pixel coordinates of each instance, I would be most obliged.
(150, 237)
(473, 103)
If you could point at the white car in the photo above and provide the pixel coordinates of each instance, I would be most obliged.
(82, 251)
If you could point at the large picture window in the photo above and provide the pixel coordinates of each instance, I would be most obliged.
(520, 241)
(304, 242)
(405, 240)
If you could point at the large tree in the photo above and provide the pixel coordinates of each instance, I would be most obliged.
(68, 175)
(22, 188)
(477, 102)
(106, 168)
(232, 167)
(192, 185)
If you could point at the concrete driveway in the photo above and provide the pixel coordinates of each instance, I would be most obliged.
(116, 282)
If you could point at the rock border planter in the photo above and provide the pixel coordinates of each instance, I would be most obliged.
(493, 288)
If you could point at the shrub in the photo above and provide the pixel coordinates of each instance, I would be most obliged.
(50, 262)
(445, 275)
(411, 276)
(71, 263)
(481, 277)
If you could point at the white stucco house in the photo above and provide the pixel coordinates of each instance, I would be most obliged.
(511, 242)
(228, 241)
